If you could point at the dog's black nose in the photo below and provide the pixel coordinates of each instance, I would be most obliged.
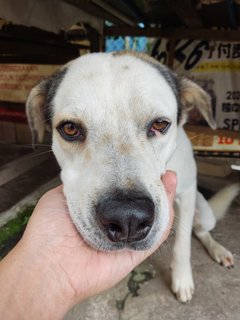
(125, 219)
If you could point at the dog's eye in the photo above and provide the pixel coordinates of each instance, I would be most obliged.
(71, 131)
(158, 126)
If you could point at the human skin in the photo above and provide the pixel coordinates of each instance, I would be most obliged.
(52, 268)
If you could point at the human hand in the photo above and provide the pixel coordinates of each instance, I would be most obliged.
(57, 252)
(86, 270)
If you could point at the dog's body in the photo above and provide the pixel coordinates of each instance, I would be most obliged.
(117, 127)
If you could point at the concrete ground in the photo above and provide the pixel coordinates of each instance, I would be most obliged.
(217, 289)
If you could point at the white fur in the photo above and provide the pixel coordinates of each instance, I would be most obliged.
(116, 97)
(123, 116)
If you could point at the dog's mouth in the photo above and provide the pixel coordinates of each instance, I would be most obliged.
(135, 230)
(127, 219)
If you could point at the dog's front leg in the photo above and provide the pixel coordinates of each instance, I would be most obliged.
(182, 280)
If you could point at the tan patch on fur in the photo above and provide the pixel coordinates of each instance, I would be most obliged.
(35, 104)
(107, 138)
(192, 96)
(88, 155)
(130, 183)
(124, 148)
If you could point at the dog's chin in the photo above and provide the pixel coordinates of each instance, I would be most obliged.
(108, 246)
(102, 243)
(95, 238)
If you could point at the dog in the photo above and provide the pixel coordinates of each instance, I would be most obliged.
(117, 126)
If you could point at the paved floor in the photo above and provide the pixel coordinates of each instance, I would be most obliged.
(217, 293)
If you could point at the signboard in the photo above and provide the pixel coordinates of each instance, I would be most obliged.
(16, 80)
(215, 66)
(205, 139)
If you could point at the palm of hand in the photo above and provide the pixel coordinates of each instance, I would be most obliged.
(53, 238)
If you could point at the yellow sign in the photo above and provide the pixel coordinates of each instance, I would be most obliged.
(16, 80)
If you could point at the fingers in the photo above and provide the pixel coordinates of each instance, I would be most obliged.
(54, 199)
(169, 180)
(54, 193)
(57, 190)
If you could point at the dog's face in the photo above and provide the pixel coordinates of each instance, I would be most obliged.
(114, 121)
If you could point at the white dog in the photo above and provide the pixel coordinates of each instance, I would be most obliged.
(116, 121)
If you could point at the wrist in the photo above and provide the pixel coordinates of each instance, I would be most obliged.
(32, 286)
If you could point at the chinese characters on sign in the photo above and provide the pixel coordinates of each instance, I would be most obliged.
(215, 66)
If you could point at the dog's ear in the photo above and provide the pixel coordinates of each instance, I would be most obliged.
(38, 105)
(36, 111)
(192, 95)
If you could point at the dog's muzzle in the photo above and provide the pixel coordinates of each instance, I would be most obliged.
(125, 218)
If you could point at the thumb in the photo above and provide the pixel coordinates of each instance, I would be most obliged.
(169, 180)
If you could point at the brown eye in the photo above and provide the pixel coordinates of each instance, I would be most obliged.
(158, 126)
(71, 131)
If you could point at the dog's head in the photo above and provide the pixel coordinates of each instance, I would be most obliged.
(114, 121)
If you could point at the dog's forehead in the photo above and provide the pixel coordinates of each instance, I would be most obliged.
(111, 81)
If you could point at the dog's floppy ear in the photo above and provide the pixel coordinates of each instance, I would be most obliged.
(38, 105)
(36, 113)
(192, 95)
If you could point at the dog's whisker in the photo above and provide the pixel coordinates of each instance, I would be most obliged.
(166, 246)
(29, 145)
(41, 153)
(164, 249)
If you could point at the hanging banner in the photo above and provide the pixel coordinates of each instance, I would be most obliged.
(215, 66)
(16, 80)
